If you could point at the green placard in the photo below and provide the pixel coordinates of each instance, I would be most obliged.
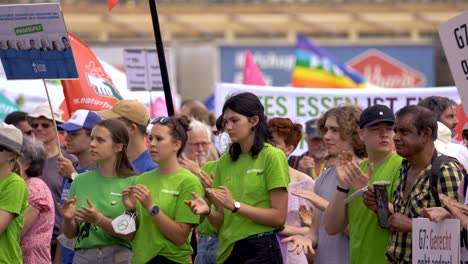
(29, 29)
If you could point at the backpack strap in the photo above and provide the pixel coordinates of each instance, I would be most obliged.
(465, 184)
(434, 176)
(293, 161)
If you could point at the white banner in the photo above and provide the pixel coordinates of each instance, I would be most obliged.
(436, 242)
(303, 104)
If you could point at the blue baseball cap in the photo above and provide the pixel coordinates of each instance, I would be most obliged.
(81, 119)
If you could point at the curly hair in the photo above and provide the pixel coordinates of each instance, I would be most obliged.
(290, 132)
(347, 117)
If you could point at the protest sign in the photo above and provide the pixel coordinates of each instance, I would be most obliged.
(142, 68)
(454, 37)
(304, 104)
(34, 42)
(436, 242)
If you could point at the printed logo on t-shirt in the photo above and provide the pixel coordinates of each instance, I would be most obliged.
(175, 193)
(381, 182)
(256, 171)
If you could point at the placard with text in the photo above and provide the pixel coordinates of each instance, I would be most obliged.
(436, 242)
(454, 37)
(34, 42)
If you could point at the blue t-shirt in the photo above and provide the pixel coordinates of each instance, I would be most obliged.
(144, 163)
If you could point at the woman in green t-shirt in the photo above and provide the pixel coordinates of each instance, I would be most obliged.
(13, 195)
(95, 198)
(164, 222)
(249, 187)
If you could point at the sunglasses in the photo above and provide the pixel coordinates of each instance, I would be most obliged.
(161, 120)
(43, 125)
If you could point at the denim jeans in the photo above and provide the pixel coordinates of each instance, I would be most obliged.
(207, 247)
(107, 255)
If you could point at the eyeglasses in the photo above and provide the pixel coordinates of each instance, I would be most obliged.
(44, 125)
(161, 120)
(71, 134)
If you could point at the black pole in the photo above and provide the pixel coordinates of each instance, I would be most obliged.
(162, 59)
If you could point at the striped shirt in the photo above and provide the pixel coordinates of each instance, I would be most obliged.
(450, 176)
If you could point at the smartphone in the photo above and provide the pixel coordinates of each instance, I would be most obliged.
(381, 197)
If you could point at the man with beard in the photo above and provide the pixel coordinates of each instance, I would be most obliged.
(196, 152)
(311, 162)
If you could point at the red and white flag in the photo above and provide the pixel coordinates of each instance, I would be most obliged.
(252, 74)
(93, 90)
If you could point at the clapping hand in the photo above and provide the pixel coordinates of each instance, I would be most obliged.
(198, 205)
(306, 215)
(67, 210)
(88, 215)
(299, 244)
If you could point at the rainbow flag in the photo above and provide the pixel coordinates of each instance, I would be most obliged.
(315, 68)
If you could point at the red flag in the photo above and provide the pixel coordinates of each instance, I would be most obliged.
(252, 74)
(94, 89)
(462, 120)
(112, 3)
(64, 108)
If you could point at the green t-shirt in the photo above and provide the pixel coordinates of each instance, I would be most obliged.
(13, 199)
(367, 240)
(106, 195)
(169, 192)
(205, 228)
(250, 180)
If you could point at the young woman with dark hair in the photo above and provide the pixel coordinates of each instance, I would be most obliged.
(95, 198)
(249, 188)
(164, 222)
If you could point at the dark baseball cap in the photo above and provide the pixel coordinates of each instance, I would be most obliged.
(376, 114)
(311, 129)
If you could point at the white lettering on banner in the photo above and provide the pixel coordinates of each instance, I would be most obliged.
(435, 242)
(302, 104)
(454, 37)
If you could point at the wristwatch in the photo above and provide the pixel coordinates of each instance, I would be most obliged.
(73, 176)
(236, 207)
(154, 211)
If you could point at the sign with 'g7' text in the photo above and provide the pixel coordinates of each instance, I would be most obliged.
(436, 242)
(454, 37)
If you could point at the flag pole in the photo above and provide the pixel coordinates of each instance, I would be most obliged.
(161, 57)
(53, 117)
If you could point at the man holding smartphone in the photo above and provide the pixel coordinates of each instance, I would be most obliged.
(368, 240)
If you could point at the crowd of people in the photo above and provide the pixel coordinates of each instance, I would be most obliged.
(124, 188)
